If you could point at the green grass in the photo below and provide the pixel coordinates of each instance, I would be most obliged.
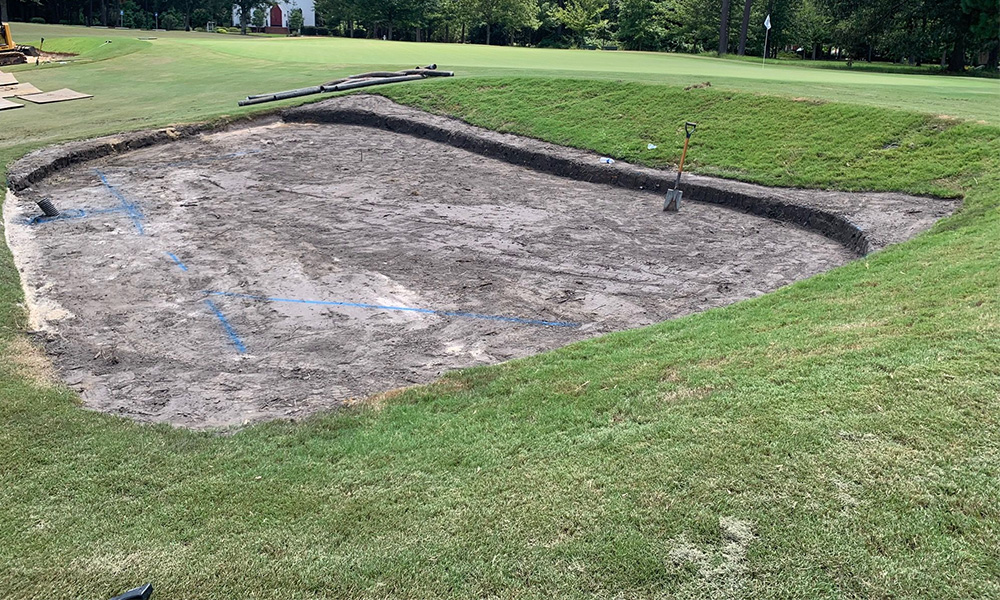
(83, 49)
(861, 65)
(808, 144)
(850, 420)
(238, 66)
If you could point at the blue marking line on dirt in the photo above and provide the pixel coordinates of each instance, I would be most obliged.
(130, 207)
(429, 311)
(177, 261)
(233, 336)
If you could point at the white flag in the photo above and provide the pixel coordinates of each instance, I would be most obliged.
(767, 22)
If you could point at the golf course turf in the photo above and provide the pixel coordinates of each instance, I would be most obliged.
(836, 438)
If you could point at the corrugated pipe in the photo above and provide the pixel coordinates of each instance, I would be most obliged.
(349, 83)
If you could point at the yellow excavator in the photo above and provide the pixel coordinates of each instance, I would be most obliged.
(11, 53)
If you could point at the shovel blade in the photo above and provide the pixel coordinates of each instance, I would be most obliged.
(672, 203)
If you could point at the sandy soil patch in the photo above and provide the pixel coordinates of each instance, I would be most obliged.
(274, 271)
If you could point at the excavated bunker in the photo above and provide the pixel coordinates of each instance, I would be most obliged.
(270, 270)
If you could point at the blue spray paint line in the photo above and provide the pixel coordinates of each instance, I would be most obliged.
(429, 311)
(72, 214)
(177, 261)
(130, 207)
(233, 336)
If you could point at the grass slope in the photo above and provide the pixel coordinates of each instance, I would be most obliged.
(86, 49)
(808, 144)
(837, 438)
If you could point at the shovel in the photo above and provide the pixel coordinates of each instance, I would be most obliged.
(139, 593)
(673, 200)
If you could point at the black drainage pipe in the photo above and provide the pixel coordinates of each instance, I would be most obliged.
(48, 208)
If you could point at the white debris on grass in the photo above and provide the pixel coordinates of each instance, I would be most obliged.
(723, 566)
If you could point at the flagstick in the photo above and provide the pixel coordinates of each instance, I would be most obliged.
(764, 58)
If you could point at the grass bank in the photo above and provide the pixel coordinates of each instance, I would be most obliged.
(751, 137)
(837, 438)
(84, 49)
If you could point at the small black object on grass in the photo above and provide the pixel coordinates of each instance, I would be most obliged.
(139, 593)
(48, 208)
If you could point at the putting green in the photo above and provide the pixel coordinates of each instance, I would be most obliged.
(194, 64)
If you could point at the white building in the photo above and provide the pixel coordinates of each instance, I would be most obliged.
(276, 17)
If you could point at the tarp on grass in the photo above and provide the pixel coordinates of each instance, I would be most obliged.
(7, 104)
(9, 91)
(57, 96)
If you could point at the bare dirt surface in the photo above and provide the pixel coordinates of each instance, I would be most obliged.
(47, 57)
(275, 271)
(862, 221)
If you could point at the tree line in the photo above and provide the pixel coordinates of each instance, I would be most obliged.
(952, 33)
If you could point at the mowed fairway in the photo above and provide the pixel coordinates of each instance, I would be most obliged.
(189, 76)
(837, 438)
